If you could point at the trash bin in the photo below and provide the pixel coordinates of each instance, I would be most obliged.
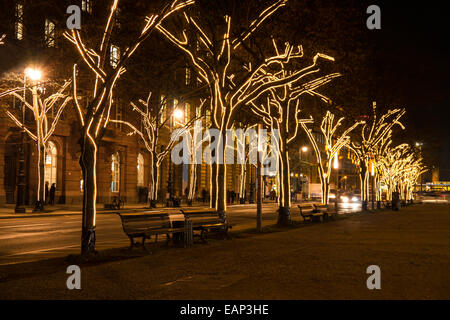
(188, 233)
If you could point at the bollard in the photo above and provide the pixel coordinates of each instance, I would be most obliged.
(188, 233)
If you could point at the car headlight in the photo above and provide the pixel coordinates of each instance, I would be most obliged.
(332, 196)
(354, 199)
(344, 199)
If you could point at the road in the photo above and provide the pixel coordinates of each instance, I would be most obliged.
(37, 238)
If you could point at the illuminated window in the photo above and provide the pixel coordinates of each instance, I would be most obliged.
(115, 172)
(118, 115)
(18, 26)
(175, 105)
(117, 19)
(162, 113)
(188, 76)
(114, 56)
(86, 6)
(49, 33)
(51, 156)
(140, 170)
(198, 112)
(187, 111)
(208, 118)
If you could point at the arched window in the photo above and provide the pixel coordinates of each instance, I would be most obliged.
(115, 172)
(140, 170)
(51, 156)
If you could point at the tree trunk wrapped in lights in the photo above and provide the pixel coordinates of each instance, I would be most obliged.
(150, 134)
(281, 112)
(246, 146)
(42, 129)
(213, 47)
(332, 147)
(371, 137)
(95, 118)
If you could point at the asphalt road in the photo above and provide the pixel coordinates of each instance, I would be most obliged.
(37, 238)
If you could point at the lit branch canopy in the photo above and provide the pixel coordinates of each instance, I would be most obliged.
(332, 145)
(212, 47)
(42, 129)
(372, 138)
(280, 111)
(96, 116)
(150, 134)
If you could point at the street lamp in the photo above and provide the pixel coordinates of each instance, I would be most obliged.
(176, 118)
(259, 182)
(373, 184)
(33, 75)
(336, 166)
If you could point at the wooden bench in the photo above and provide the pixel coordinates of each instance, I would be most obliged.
(206, 220)
(145, 224)
(313, 212)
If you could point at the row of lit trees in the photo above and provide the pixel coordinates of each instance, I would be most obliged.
(236, 76)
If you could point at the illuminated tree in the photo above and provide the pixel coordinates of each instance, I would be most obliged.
(246, 146)
(2, 37)
(399, 169)
(150, 134)
(214, 48)
(195, 144)
(333, 144)
(370, 139)
(42, 128)
(281, 112)
(95, 118)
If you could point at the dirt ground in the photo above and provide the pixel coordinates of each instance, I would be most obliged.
(310, 261)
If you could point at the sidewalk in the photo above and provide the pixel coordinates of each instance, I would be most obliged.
(312, 261)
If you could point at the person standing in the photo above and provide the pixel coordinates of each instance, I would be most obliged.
(52, 194)
(46, 192)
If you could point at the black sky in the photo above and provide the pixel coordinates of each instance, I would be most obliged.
(413, 57)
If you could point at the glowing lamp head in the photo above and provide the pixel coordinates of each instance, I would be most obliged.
(304, 149)
(33, 74)
(336, 162)
(178, 114)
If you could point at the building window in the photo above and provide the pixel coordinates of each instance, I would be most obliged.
(187, 111)
(18, 26)
(117, 18)
(188, 76)
(198, 112)
(162, 113)
(86, 6)
(51, 156)
(140, 170)
(49, 33)
(115, 172)
(208, 118)
(114, 57)
(118, 115)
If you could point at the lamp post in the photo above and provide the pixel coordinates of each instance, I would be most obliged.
(34, 75)
(419, 145)
(336, 166)
(177, 114)
(304, 149)
(259, 184)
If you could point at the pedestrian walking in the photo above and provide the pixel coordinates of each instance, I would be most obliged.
(52, 194)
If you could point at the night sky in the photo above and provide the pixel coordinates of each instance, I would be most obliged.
(414, 58)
